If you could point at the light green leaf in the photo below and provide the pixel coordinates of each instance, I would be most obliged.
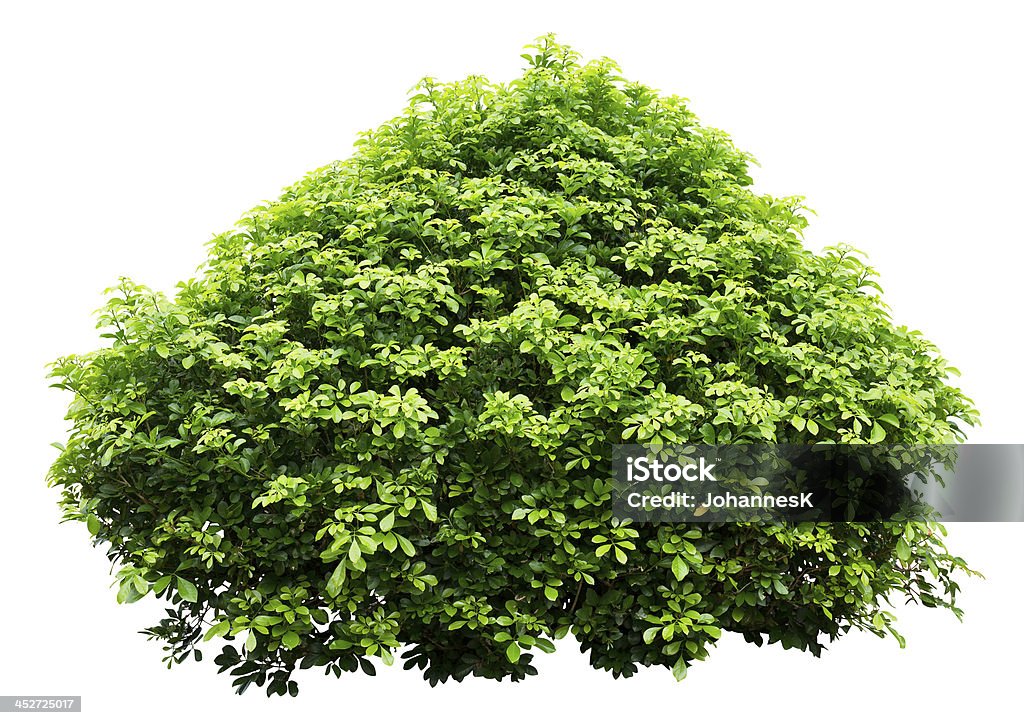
(187, 590)
(219, 629)
(679, 568)
(903, 550)
(679, 670)
(406, 545)
(337, 578)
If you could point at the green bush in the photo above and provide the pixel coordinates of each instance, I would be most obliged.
(382, 415)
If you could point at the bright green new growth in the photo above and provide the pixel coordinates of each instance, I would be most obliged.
(383, 414)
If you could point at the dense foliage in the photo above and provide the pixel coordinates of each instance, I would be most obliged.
(382, 415)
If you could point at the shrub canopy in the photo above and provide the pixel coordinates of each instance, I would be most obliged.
(382, 415)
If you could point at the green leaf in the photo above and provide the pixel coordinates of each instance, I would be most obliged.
(899, 637)
(218, 630)
(512, 652)
(877, 434)
(127, 592)
(406, 545)
(679, 670)
(290, 640)
(187, 590)
(679, 568)
(903, 551)
(545, 645)
(93, 524)
(337, 579)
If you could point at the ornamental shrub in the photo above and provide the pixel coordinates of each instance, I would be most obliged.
(381, 417)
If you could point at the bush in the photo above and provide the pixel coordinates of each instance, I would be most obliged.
(382, 415)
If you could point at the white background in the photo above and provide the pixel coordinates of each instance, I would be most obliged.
(131, 134)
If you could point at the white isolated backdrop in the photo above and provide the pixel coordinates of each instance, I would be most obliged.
(130, 133)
